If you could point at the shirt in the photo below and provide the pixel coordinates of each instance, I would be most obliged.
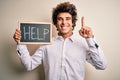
(64, 59)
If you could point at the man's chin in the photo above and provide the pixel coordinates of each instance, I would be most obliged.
(63, 33)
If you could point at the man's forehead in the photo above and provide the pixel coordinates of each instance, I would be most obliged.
(64, 14)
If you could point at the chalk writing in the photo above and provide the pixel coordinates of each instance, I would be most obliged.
(32, 32)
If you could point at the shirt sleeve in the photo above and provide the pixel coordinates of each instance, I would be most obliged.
(30, 62)
(95, 55)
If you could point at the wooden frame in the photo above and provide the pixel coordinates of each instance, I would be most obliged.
(31, 27)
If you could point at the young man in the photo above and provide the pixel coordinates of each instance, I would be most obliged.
(65, 58)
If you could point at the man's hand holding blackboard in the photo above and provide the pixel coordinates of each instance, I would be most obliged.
(17, 35)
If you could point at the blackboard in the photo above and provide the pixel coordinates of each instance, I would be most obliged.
(35, 33)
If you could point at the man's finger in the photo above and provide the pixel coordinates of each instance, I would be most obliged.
(82, 21)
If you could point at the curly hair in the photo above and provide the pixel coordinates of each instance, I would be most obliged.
(65, 7)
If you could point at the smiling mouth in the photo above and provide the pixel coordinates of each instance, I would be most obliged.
(64, 27)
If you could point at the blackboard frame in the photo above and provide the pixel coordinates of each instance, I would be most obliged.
(39, 23)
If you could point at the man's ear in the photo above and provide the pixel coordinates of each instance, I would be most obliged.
(56, 27)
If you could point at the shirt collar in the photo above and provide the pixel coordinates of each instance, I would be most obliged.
(72, 38)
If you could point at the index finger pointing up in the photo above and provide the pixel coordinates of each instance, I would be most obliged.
(82, 21)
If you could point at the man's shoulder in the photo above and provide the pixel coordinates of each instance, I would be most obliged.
(77, 37)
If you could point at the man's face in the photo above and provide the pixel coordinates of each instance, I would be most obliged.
(64, 23)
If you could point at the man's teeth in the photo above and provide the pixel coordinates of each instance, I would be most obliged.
(64, 27)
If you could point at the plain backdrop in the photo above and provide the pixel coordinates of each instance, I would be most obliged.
(102, 15)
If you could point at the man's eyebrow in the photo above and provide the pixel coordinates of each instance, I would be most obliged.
(59, 17)
(69, 17)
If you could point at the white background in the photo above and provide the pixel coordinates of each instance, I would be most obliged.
(102, 15)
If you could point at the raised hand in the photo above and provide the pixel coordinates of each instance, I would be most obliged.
(85, 31)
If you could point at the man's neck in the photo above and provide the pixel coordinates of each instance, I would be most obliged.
(65, 35)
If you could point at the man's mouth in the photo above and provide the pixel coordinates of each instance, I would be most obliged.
(64, 27)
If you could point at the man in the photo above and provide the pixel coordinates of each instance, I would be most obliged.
(65, 58)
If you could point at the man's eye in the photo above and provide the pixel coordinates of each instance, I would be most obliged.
(59, 19)
(68, 18)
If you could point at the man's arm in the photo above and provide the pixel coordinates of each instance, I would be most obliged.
(94, 54)
(30, 62)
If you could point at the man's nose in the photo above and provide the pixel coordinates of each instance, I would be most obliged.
(64, 21)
